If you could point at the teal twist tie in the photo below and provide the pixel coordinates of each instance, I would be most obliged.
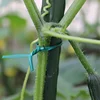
(38, 49)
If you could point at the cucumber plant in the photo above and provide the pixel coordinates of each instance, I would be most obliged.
(51, 27)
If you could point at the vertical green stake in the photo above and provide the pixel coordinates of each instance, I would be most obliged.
(56, 12)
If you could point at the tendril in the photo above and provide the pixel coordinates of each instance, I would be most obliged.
(45, 8)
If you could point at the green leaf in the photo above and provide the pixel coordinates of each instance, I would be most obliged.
(60, 96)
(82, 95)
(16, 23)
(64, 88)
(72, 70)
(67, 92)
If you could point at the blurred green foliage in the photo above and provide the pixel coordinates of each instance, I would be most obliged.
(15, 37)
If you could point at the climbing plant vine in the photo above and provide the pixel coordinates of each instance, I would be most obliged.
(47, 30)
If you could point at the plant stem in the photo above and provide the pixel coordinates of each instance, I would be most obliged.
(37, 11)
(42, 56)
(67, 37)
(76, 48)
(81, 57)
(24, 84)
(40, 72)
(27, 74)
(40, 75)
(71, 13)
(33, 13)
(78, 51)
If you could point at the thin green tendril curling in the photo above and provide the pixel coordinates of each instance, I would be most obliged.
(46, 7)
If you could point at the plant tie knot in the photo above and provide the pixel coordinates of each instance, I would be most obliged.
(30, 55)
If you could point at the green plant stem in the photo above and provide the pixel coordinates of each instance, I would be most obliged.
(40, 72)
(81, 57)
(71, 13)
(40, 75)
(67, 37)
(42, 56)
(78, 51)
(33, 13)
(27, 74)
(24, 84)
(37, 11)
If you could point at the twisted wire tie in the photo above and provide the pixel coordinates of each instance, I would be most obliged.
(30, 55)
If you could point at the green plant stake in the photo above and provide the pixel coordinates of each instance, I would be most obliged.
(55, 13)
